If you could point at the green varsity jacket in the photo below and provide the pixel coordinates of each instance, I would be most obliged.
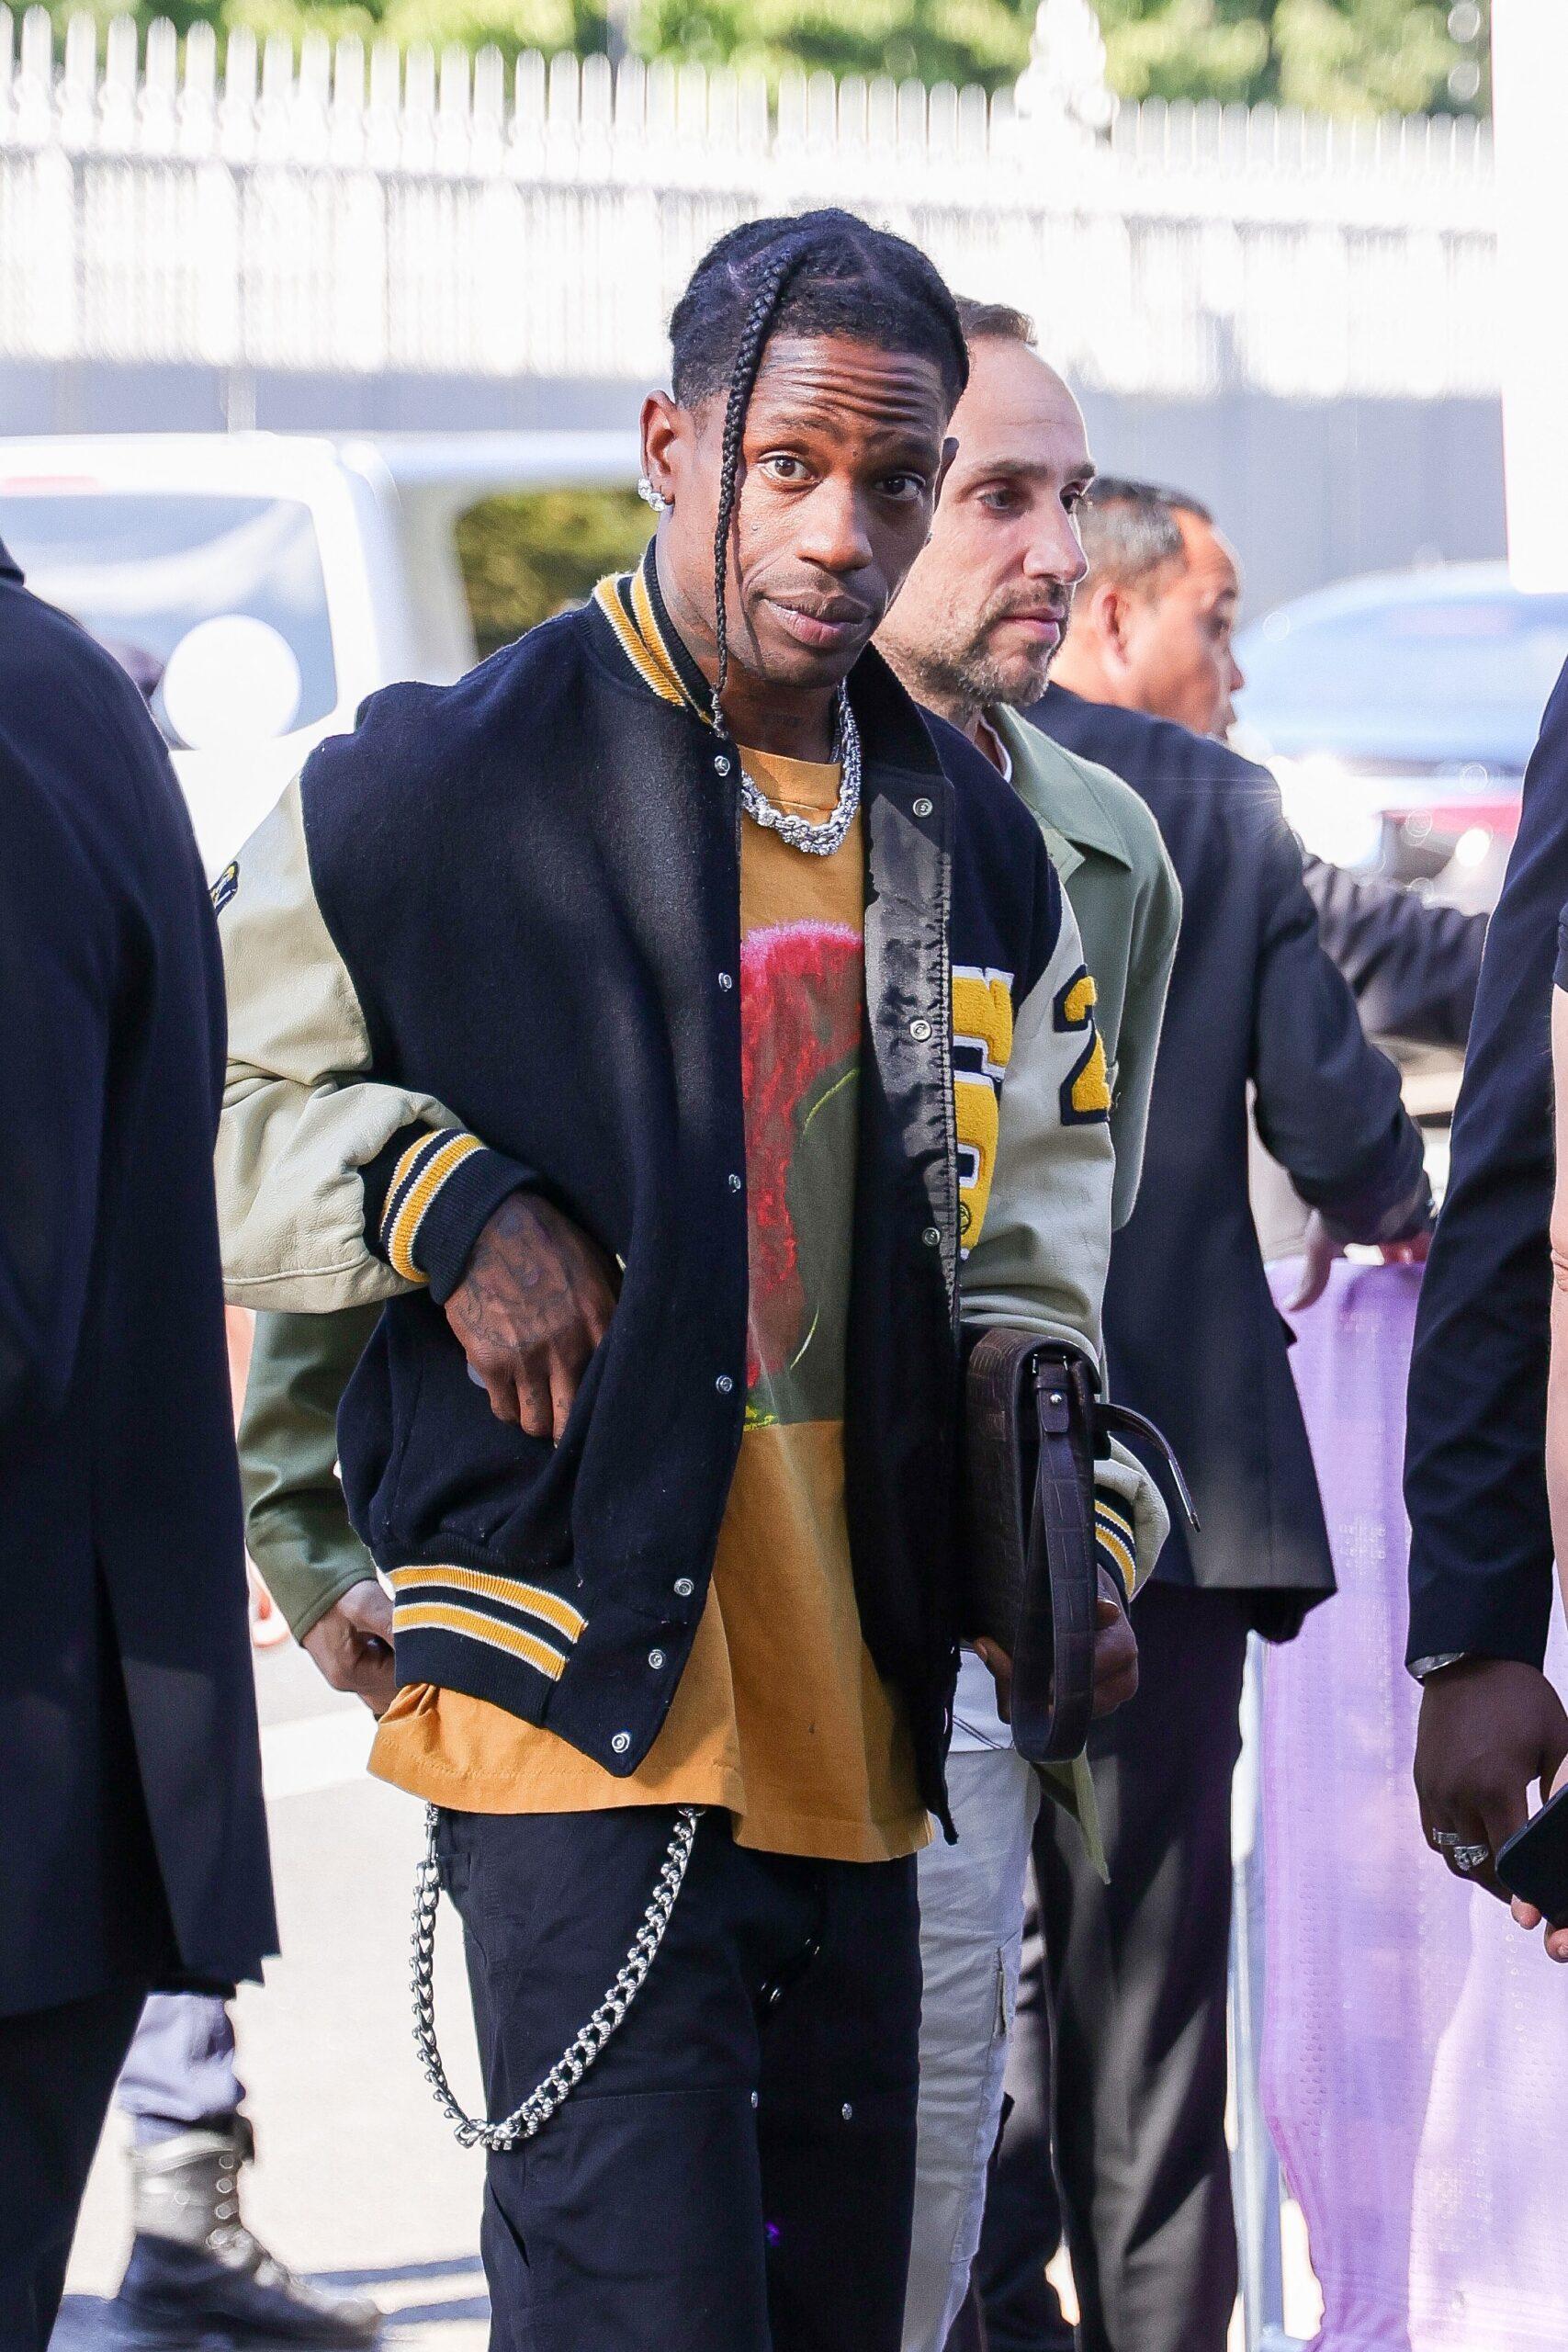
(1117, 873)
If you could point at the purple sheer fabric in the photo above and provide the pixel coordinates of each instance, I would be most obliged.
(1415, 2065)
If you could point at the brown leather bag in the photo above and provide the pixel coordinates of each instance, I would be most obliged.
(1035, 1426)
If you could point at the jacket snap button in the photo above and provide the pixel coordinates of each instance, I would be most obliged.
(932, 1237)
(684, 1587)
(725, 980)
(656, 1659)
(735, 1183)
(922, 808)
(724, 1383)
(846, 2111)
(621, 1742)
(921, 1029)
(721, 765)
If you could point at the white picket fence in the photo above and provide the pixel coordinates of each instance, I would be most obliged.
(349, 213)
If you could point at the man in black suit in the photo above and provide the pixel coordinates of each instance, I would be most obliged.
(1156, 619)
(132, 1840)
(1136, 1972)
(1481, 1551)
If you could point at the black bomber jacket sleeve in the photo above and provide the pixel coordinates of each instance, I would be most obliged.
(1413, 966)
(1475, 1474)
(1328, 1101)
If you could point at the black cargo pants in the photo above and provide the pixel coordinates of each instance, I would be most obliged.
(736, 2171)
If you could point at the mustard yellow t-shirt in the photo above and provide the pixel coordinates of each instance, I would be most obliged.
(780, 1716)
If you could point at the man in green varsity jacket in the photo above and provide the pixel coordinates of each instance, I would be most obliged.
(972, 637)
(683, 1038)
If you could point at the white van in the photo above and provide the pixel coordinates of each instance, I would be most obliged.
(269, 581)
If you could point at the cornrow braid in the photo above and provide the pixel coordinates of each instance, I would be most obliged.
(743, 379)
(812, 273)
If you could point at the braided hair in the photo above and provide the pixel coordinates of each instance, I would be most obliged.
(823, 273)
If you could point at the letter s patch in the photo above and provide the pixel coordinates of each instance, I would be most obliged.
(982, 1048)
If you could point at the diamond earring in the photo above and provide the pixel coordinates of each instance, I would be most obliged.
(650, 497)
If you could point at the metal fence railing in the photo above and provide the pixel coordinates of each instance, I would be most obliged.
(358, 211)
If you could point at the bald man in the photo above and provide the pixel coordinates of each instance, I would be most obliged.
(1131, 2071)
(973, 636)
(1153, 626)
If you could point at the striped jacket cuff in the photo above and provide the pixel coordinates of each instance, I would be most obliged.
(1116, 1541)
(428, 1196)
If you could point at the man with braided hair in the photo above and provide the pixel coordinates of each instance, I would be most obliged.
(666, 1038)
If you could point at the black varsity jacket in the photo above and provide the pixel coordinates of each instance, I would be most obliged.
(491, 938)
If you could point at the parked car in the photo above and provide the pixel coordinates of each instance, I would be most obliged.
(1398, 712)
(260, 585)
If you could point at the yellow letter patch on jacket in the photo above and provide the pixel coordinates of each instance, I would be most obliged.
(1085, 1089)
(982, 1048)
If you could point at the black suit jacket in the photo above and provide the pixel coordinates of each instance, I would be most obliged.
(132, 1841)
(1475, 1469)
(1193, 1336)
(1413, 967)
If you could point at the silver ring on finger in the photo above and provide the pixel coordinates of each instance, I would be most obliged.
(1471, 1858)
(1445, 1840)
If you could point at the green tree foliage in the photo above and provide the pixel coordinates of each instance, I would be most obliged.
(1329, 56)
(526, 554)
(511, 26)
(937, 40)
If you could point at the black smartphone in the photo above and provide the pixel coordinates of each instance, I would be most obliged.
(1534, 1862)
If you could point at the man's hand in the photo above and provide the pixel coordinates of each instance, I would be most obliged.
(534, 1305)
(1115, 1647)
(999, 1667)
(1489, 1729)
(352, 1645)
(1319, 1249)
(1115, 1655)
(1526, 1913)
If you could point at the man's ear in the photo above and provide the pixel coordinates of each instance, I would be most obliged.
(1110, 615)
(949, 451)
(666, 430)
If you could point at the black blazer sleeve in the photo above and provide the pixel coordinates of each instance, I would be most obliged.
(1475, 1470)
(1328, 1101)
(58, 958)
(1412, 967)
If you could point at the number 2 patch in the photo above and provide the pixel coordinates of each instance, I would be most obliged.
(1085, 1089)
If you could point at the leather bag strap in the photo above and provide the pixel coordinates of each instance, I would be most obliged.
(1053, 1667)
(1035, 1426)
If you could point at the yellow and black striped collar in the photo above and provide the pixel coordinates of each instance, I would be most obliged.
(631, 602)
(892, 732)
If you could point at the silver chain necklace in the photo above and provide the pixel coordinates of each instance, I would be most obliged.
(586, 2044)
(821, 839)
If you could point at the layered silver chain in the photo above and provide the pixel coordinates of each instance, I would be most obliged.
(586, 2044)
(821, 839)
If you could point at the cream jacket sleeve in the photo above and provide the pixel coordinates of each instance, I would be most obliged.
(1041, 1241)
(301, 1117)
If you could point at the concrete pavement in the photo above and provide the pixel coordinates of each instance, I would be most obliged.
(359, 2178)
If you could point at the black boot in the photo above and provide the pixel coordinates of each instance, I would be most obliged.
(196, 2274)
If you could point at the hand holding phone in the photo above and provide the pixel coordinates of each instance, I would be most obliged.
(1533, 1866)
